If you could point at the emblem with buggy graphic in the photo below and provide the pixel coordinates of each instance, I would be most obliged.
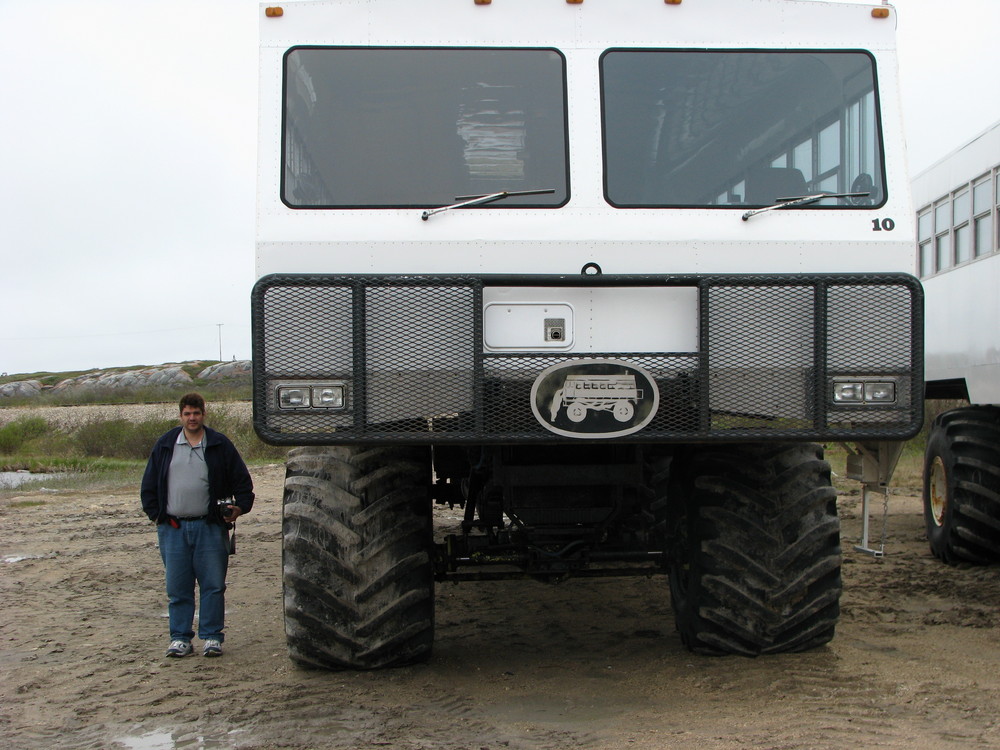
(594, 398)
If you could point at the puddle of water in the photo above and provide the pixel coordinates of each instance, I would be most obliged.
(19, 558)
(567, 710)
(165, 740)
(11, 479)
(151, 741)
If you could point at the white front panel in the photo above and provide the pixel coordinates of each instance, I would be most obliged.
(611, 319)
(587, 229)
(528, 326)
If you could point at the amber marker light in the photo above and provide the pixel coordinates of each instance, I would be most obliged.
(672, 2)
(275, 12)
(880, 12)
(574, 2)
(483, 2)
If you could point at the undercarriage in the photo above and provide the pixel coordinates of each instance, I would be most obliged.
(547, 513)
(747, 534)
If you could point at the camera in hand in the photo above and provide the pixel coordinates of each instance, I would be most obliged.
(224, 511)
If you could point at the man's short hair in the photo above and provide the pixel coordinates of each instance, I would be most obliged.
(194, 400)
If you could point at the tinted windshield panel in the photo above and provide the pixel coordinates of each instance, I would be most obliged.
(384, 127)
(739, 128)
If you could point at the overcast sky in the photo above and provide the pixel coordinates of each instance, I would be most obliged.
(127, 147)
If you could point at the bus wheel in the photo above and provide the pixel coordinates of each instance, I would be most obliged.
(962, 485)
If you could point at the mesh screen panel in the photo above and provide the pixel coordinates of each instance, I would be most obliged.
(309, 331)
(761, 345)
(869, 326)
(420, 353)
(410, 353)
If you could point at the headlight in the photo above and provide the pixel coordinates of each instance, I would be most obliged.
(293, 398)
(882, 393)
(848, 393)
(864, 391)
(328, 397)
(312, 395)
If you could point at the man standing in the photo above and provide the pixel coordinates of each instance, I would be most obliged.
(194, 485)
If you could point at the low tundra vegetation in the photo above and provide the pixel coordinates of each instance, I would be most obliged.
(110, 451)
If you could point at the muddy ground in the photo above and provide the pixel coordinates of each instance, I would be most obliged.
(585, 664)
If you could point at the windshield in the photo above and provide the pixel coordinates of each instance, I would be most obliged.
(739, 128)
(386, 127)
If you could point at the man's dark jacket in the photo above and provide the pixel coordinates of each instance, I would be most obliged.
(227, 476)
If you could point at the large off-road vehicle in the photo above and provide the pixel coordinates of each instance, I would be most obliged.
(957, 219)
(472, 212)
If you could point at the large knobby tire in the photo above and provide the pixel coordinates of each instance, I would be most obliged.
(358, 582)
(962, 485)
(758, 565)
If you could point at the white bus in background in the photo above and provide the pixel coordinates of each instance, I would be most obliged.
(473, 213)
(957, 230)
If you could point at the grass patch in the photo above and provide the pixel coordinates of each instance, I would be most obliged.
(66, 464)
(119, 438)
(907, 476)
(910, 469)
(107, 453)
(14, 436)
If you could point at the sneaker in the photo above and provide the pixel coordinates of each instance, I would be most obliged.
(178, 649)
(212, 648)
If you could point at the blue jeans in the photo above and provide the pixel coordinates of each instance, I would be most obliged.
(197, 551)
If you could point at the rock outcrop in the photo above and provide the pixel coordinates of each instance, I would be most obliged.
(174, 375)
(130, 379)
(236, 370)
(21, 389)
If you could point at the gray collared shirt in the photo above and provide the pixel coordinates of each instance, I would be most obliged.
(187, 479)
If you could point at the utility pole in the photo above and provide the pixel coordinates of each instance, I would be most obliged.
(220, 340)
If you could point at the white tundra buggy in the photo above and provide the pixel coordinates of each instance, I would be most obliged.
(467, 206)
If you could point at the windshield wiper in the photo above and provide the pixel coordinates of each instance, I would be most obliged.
(801, 201)
(479, 200)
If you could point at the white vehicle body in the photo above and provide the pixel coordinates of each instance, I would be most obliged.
(602, 273)
(960, 266)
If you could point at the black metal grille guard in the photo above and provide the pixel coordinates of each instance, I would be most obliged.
(410, 349)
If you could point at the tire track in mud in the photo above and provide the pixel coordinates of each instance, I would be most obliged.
(830, 701)
(832, 714)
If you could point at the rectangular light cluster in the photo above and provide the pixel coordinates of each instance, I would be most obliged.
(321, 396)
(864, 391)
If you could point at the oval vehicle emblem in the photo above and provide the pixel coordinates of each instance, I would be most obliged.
(594, 398)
